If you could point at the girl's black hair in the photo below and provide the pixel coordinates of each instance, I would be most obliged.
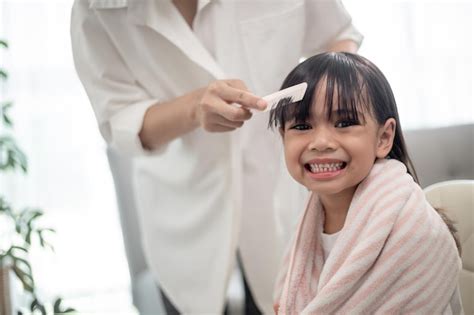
(352, 82)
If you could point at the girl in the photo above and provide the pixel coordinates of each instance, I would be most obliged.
(368, 241)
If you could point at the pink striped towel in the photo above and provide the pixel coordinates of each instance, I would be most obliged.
(394, 255)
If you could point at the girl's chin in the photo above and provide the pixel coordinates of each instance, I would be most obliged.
(327, 188)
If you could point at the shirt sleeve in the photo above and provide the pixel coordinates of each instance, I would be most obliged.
(327, 22)
(118, 100)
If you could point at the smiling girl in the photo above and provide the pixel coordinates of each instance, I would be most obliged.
(368, 241)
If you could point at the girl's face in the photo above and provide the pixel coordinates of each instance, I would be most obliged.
(333, 156)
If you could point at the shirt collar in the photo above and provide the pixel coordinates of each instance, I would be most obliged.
(202, 4)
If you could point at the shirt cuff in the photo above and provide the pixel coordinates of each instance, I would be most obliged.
(125, 127)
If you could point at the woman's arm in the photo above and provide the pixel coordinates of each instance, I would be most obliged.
(346, 45)
(131, 119)
(209, 108)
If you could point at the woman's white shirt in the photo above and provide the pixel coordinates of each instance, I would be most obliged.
(203, 195)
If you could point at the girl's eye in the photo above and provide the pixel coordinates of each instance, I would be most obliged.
(346, 123)
(303, 126)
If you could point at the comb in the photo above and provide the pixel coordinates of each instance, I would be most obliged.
(291, 94)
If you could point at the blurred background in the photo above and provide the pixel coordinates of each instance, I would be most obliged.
(423, 47)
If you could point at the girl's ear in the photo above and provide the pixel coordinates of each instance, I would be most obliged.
(386, 134)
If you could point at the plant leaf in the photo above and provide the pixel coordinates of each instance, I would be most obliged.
(57, 306)
(3, 74)
(34, 215)
(19, 248)
(4, 206)
(42, 309)
(18, 227)
(26, 280)
(69, 310)
(6, 118)
(11, 156)
(33, 305)
(24, 262)
(37, 305)
(41, 239)
(6, 105)
(49, 230)
(3, 43)
(51, 247)
(57, 309)
(28, 236)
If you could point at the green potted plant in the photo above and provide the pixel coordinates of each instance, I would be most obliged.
(20, 227)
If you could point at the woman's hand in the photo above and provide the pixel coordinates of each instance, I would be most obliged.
(216, 109)
(213, 108)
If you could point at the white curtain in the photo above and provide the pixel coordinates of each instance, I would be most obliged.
(423, 47)
(68, 173)
(425, 50)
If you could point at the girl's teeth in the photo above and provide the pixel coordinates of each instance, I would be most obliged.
(325, 167)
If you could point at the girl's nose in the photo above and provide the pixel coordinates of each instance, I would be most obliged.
(322, 140)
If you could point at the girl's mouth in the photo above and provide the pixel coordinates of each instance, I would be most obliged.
(325, 170)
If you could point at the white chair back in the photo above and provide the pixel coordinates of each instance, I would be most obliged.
(456, 197)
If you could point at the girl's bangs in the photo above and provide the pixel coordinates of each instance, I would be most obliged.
(345, 92)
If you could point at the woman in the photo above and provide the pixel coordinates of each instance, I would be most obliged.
(161, 78)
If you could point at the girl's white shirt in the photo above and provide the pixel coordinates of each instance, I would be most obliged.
(327, 243)
(205, 194)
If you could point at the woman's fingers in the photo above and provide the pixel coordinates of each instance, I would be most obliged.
(232, 112)
(217, 123)
(213, 121)
(216, 105)
(220, 120)
(219, 128)
(235, 91)
(218, 110)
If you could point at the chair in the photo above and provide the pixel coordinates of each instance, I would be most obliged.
(456, 197)
(441, 154)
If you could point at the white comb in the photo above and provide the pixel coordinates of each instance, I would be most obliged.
(295, 92)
